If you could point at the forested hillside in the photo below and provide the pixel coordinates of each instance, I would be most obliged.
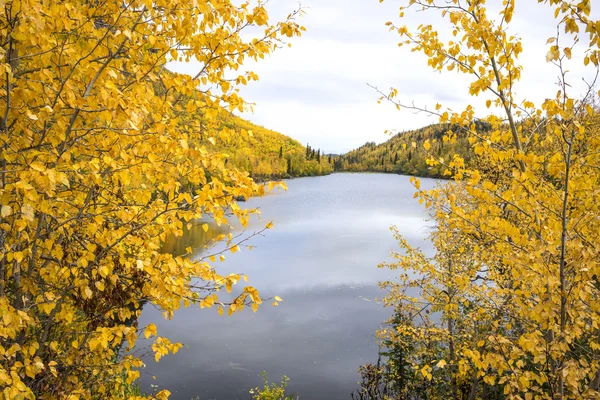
(405, 152)
(265, 153)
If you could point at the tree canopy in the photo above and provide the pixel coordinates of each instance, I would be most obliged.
(103, 156)
(508, 305)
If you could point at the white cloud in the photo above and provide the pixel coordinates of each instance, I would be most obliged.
(317, 90)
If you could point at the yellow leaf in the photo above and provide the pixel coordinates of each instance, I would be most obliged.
(37, 166)
(18, 256)
(150, 331)
(205, 227)
(163, 395)
(103, 271)
(27, 212)
(6, 211)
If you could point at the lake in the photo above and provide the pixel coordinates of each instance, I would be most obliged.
(321, 258)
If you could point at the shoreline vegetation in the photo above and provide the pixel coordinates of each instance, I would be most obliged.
(404, 152)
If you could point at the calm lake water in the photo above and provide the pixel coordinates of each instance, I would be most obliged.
(321, 257)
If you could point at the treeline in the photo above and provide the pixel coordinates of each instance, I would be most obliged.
(405, 153)
(264, 153)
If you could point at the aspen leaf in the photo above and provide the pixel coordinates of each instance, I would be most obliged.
(277, 298)
(18, 256)
(27, 212)
(6, 211)
(37, 166)
(150, 331)
(103, 271)
(205, 227)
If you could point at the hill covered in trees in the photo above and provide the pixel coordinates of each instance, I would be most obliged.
(262, 152)
(406, 153)
(265, 153)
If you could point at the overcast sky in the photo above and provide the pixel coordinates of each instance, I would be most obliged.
(316, 91)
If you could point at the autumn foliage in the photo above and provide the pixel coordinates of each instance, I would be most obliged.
(99, 162)
(508, 305)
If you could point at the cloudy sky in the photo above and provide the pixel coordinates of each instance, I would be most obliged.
(316, 91)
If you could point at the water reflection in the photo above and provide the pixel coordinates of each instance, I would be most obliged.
(195, 237)
(330, 233)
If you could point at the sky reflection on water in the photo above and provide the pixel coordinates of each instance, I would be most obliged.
(321, 258)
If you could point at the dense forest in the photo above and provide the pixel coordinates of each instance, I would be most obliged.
(405, 153)
(264, 153)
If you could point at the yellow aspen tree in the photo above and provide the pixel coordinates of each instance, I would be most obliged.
(528, 208)
(99, 164)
